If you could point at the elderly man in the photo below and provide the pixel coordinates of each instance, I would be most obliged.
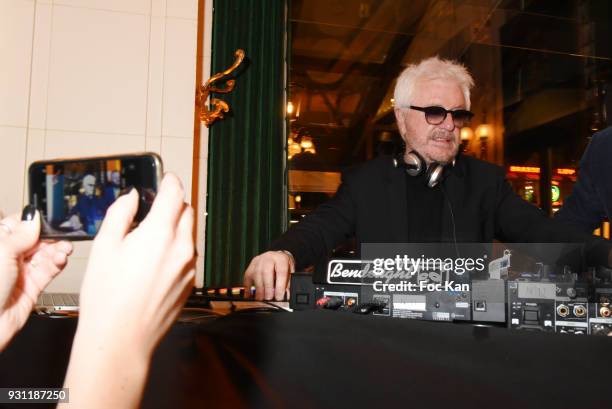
(430, 193)
(90, 209)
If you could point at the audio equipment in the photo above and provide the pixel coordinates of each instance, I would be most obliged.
(489, 300)
(307, 295)
(415, 165)
(539, 301)
(437, 305)
(600, 310)
(531, 306)
(565, 307)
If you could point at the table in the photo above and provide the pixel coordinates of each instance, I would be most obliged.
(329, 359)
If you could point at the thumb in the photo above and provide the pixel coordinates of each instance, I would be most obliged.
(26, 234)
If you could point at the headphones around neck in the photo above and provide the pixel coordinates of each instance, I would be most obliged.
(415, 165)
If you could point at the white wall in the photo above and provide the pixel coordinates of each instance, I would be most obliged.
(90, 77)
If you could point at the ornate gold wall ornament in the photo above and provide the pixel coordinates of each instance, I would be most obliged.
(218, 107)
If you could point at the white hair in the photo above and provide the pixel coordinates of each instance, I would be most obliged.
(431, 69)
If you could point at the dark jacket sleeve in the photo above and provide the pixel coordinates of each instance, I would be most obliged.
(585, 207)
(316, 235)
(518, 221)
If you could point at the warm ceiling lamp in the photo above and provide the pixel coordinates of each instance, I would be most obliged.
(294, 148)
(466, 134)
(300, 144)
(306, 143)
(289, 107)
(484, 131)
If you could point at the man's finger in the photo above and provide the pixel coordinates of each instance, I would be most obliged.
(268, 279)
(248, 281)
(282, 275)
(259, 285)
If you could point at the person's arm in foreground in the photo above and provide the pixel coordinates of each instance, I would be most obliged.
(26, 267)
(148, 275)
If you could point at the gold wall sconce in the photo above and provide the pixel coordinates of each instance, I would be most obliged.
(219, 107)
(467, 134)
(484, 132)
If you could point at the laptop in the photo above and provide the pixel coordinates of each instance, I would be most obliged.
(51, 302)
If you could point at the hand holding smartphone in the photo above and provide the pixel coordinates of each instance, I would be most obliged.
(74, 194)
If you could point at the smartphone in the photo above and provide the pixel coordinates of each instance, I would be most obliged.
(73, 195)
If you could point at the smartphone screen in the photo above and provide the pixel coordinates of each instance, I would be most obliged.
(73, 195)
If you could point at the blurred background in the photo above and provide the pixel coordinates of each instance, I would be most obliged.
(542, 70)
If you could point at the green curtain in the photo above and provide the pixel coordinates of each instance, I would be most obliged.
(247, 179)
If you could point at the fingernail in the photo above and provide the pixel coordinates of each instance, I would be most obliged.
(28, 213)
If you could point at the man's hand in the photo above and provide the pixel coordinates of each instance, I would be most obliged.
(269, 273)
(26, 267)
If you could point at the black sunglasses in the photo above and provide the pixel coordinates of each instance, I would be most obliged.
(436, 115)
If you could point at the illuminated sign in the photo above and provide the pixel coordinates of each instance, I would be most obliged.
(524, 169)
(564, 171)
(556, 193)
(535, 169)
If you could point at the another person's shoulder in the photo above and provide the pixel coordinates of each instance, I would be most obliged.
(596, 156)
(601, 142)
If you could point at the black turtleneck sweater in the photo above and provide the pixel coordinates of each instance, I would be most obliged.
(425, 206)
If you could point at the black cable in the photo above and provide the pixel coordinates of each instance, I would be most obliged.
(450, 207)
